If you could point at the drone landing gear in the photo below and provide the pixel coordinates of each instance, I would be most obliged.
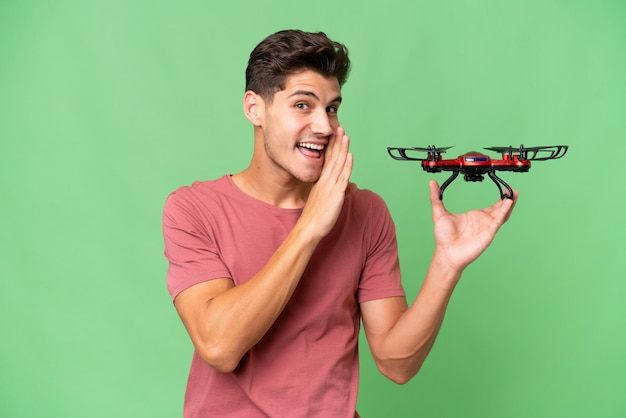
(479, 177)
(447, 183)
(499, 182)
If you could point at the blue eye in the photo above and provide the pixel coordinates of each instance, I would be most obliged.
(302, 106)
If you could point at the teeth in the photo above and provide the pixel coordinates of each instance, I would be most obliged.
(309, 145)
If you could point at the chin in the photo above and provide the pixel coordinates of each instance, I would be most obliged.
(309, 177)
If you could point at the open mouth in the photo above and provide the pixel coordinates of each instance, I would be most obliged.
(311, 150)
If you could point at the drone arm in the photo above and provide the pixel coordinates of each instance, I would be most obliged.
(499, 182)
(447, 183)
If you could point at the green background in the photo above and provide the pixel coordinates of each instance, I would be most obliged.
(107, 106)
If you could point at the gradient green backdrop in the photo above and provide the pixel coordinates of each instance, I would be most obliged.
(107, 106)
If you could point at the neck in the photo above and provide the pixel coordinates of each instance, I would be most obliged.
(283, 193)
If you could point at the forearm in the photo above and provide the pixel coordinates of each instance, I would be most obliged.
(405, 347)
(235, 320)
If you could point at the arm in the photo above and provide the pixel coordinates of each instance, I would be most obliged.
(400, 337)
(224, 321)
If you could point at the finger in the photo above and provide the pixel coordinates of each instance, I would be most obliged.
(502, 209)
(334, 143)
(515, 196)
(438, 208)
(343, 142)
(348, 161)
(336, 160)
(344, 178)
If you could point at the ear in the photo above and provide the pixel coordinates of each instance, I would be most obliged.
(253, 107)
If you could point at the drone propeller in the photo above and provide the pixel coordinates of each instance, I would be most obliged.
(433, 153)
(533, 153)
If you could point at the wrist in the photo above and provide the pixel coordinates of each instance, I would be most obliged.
(444, 270)
(306, 233)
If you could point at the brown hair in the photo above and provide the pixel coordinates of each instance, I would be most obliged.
(290, 51)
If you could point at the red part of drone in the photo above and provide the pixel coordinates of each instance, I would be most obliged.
(474, 165)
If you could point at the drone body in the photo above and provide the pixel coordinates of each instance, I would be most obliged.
(474, 165)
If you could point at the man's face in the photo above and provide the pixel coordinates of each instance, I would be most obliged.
(299, 123)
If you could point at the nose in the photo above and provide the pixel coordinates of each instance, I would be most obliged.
(321, 124)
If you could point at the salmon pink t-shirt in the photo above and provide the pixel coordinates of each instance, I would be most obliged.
(307, 363)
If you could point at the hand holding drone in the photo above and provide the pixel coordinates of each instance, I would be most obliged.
(474, 165)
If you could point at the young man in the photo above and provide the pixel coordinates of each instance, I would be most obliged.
(272, 269)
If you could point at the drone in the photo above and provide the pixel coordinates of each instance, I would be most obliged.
(474, 165)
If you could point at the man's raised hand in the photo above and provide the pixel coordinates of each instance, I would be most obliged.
(461, 238)
(327, 194)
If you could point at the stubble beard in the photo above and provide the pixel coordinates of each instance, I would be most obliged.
(279, 157)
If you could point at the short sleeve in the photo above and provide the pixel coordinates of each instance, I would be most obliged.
(189, 246)
(381, 277)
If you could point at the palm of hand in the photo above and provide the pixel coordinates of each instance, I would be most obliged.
(461, 238)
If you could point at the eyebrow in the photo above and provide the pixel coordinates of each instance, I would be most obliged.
(309, 93)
